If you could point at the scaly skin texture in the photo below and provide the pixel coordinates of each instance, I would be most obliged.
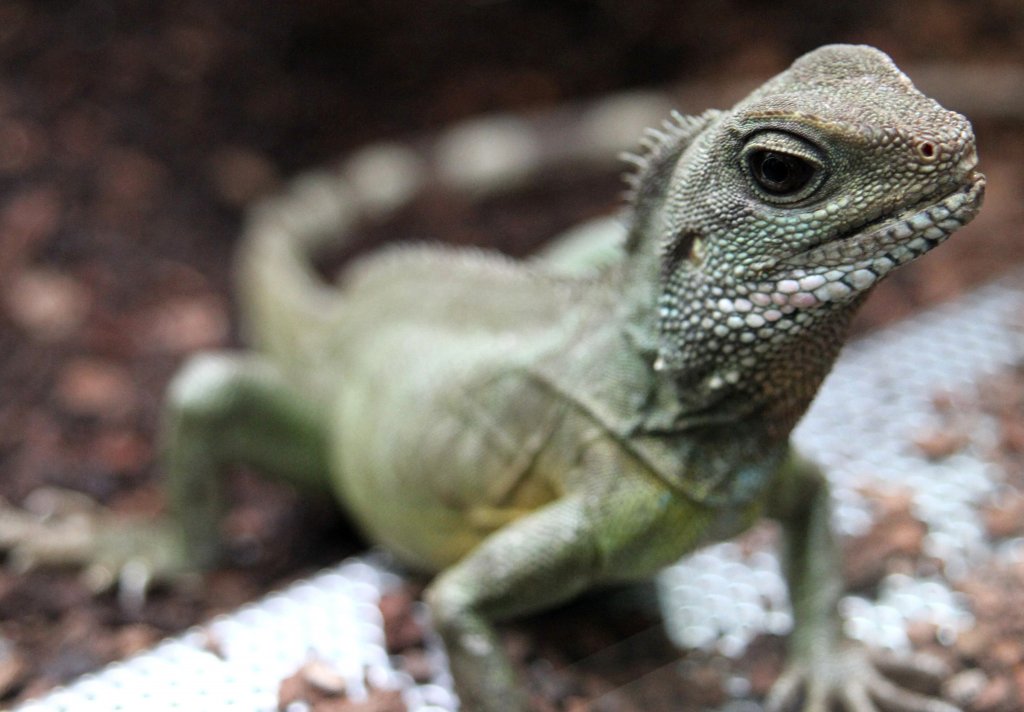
(527, 431)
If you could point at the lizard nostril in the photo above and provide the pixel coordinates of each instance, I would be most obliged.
(928, 150)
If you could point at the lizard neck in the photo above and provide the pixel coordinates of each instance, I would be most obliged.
(724, 357)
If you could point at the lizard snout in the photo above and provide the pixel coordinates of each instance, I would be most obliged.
(968, 161)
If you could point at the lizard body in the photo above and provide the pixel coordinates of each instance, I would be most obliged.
(529, 430)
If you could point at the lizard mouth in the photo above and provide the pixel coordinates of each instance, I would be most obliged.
(844, 267)
(927, 224)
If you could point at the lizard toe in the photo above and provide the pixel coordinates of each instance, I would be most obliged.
(850, 679)
(855, 698)
(892, 696)
(918, 669)
(55, 528)
(786, 691)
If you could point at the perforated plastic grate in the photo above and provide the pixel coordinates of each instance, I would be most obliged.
(860, 428)
(237, 662)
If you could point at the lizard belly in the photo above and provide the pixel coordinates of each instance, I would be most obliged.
(435, 447)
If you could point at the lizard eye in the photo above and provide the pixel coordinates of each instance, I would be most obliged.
(782, 167)
(780, 174)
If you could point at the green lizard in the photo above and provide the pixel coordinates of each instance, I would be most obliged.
(530, 430)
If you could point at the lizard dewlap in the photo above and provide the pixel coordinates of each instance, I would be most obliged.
(528, 430)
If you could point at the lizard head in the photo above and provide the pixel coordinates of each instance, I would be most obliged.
(793, 204)
(821, 182)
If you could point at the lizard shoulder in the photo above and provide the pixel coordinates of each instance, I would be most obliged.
(710, 460)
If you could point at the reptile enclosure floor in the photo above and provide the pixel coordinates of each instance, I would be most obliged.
(129, 138)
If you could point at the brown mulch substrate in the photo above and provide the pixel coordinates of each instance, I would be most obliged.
(131, 135)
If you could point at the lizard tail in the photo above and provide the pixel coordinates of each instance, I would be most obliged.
(284, 302)
(282, 298)
(286, 307)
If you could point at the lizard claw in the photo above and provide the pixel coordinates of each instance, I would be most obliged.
(55, 528)
(62, 528)
(851, 680)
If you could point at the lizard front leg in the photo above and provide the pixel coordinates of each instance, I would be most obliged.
(610, 528)
(222, 409)
(230, 409)
(825, 668)
(543, 559)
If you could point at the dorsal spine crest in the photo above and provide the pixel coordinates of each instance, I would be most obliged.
(651, 166)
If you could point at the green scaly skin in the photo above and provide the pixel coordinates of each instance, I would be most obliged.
(527, 431)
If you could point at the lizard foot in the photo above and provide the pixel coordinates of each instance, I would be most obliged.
(63, 528)
(851, 679)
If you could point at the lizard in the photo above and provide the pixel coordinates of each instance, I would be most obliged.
(524, 431)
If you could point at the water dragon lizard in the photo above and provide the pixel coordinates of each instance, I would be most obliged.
(528, 430)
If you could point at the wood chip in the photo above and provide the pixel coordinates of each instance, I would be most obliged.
(323, 677)
(184, 324)
(49, 305)
(89, 386)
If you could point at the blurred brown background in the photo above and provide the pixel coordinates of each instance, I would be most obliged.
(132, 133)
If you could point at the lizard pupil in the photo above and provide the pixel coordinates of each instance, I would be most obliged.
(780, 173)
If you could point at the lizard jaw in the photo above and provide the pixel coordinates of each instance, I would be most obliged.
(842, 269)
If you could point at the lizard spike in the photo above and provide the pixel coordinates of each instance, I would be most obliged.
(659, 148)
(656, 136)
(681, 122)
(657, 144)
(631, 177)
(634, 158)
